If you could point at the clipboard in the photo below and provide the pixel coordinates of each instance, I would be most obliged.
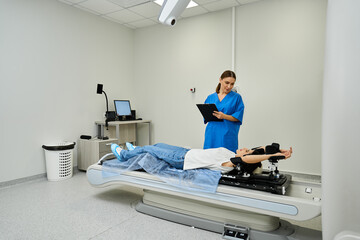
(207, 111)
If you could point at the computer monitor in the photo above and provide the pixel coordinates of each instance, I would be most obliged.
(122, 108)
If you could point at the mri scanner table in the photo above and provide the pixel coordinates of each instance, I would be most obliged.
(232, 211)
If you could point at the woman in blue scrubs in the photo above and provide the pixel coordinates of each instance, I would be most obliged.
(231, 111)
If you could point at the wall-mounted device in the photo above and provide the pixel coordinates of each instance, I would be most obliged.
(171, 11)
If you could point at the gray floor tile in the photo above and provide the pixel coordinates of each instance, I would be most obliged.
(72, 209)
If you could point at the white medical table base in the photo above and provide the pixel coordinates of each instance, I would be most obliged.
(230, 209)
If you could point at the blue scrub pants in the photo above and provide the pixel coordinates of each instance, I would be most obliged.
(171, 154)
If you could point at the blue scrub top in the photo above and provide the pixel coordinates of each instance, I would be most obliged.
(225, 133)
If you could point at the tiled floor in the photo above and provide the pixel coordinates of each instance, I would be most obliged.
(72, 209)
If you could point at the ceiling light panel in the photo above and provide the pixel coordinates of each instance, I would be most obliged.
(190, 5)
(189, 12)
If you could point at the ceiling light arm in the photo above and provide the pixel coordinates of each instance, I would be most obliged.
(171, 10)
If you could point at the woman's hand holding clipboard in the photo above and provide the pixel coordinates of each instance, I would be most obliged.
(207, 111)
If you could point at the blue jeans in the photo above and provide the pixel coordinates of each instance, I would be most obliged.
(171, 154)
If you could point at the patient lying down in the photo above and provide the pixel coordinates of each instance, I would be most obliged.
(220, 159)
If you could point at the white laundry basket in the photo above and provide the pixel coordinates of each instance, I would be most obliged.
(59, 160)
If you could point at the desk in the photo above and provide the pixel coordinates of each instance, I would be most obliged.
(126, 128)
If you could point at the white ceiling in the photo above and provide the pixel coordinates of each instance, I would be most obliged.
(142, 13)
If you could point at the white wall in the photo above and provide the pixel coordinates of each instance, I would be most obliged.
(341, 122)
(170, 61)
(279, 61)
(279, 65)
(52, 57)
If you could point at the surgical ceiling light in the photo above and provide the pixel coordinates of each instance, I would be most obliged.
(172, 9)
